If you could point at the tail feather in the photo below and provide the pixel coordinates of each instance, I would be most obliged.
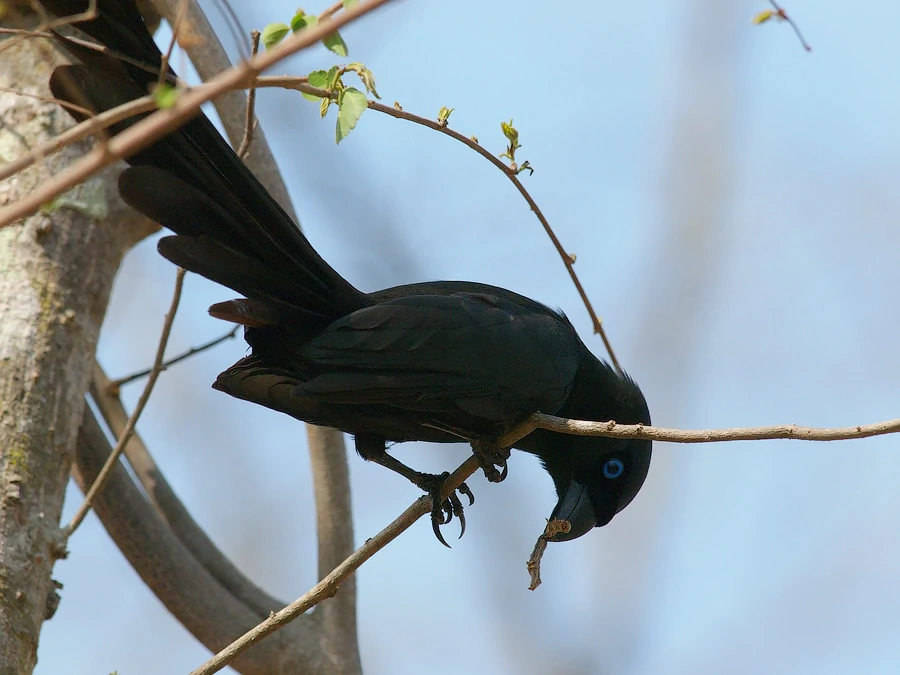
(262, 269)
(245, 275)
(192, 182)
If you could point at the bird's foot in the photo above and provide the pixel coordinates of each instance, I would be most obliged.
(443, 510)
(486, 450)
(490, 456)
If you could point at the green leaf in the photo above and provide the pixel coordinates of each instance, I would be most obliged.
(273, 34)
(762, 17)
(303, 20)
(320, 79)
(165, 95)
(349, 3)
(336, 43)
(351, 105)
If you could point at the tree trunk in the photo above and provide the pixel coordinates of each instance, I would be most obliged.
(56, 272)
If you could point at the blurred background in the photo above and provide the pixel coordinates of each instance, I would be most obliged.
(733, 203)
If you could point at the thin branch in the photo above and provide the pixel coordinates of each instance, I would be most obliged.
(533, 565)
(49, 99)
(302, 84)
(567, 258)
(250, 120)
(87, 44)
(148, 130)
(25, 33)
(613, 430)
(177, 26)
(783, 15)
(330, 584)
(105, 473)
(46, 24)
(88, 14)
(114, 385)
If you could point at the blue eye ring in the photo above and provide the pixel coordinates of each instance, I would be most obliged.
(613, 468)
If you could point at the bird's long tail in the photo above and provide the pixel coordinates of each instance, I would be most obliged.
(229, 229)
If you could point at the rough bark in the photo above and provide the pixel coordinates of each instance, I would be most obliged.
(56, 272)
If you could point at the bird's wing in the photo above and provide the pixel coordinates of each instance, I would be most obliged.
(467, 352)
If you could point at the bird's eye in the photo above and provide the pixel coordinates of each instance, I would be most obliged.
(613, 468)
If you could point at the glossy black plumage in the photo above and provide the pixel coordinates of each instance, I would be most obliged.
(436, 361)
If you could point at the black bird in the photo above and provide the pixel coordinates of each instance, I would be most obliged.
(440, 361)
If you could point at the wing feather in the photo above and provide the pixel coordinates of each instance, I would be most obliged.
(470, 352)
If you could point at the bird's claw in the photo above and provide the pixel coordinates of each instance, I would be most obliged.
(490, 456)
(443, 510)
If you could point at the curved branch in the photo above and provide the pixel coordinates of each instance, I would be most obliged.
(301, 84)
(181, 583)
(170, 508)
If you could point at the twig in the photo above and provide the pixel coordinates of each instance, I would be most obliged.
(331, 583)
(148, 130)
(47, 25)
(49, 99)
(114, 385)
(250, 122)
(783, 15)
(534, 560)
(87, 44)
(176, 27)
(613, 430)
(110, 464)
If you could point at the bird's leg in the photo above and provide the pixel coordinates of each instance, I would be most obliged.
(486, 449)
(372, 448)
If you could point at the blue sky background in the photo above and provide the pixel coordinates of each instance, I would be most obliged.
(734, 207)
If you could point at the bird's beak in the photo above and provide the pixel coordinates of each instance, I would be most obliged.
(575, 507)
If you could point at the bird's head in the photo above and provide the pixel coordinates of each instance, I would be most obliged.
(595, 477)
(591, 493)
